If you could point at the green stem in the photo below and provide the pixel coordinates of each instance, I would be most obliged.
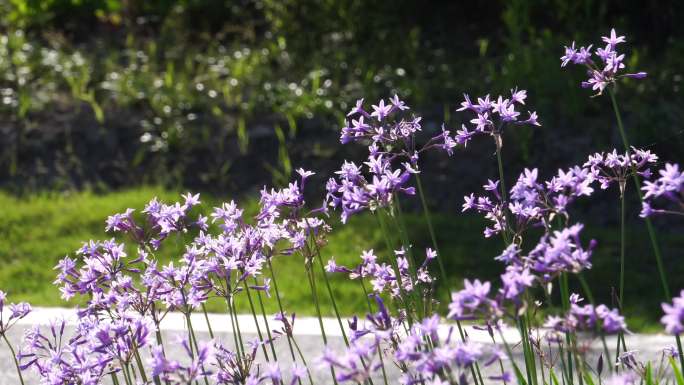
(330, 292)
(256, 321)
(141, 368)
(502, 188)
(637, 183)
(404, 296)
(280, 304)
(14, 357)
(426, 212)
(206, 318)
(565, 301)
(314, 296)
(237, 324)
(194, 342)
(400, 225)
(115, 379)
(233, 327)
(621, 292)
(301, 356)
(268, 328)
(649, 225)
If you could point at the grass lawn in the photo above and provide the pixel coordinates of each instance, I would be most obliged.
(37, 231)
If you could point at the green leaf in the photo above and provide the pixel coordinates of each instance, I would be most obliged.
(677, 372)
(554, 379)
(588, 379)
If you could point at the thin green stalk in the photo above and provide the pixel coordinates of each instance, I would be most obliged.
(621, 292)
(194, 342)
(510, 355)
(565, 301)
(237, 324)
(370, 311)
(268, 328)
(637, 183)
(404, 296)
(623, 239)
(233, 327)
(127, 374)
(115, 379)
(14, 357)
(280, 304)
(330, 292)
(301, 356)
(590, 296)
(426, 212)
(399, 224)
(256, 321)
(502, 185)
(141, 368)
(649, 225)
(314, 295)
(206, 318)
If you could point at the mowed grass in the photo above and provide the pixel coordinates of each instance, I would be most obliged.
(36, 231)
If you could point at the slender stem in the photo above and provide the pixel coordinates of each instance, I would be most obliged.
(399, 224)
(621, 293)
(141, 368)
(649, 224)
(127, 374)
(590, 296)
(426, 212)
(268, 328)
(256, 322)
(194, 342)
(115, 379)
(301, 356)
(565, 300)
(330, 292)
(237, 323)
(206, 318)
(621, 296)
(233, 327)
(502, 185)
(404, 296)
(14, 357)
(280, 304)
(314, 295)
(637, 183)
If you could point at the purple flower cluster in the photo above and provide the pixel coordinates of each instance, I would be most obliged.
(607, 69)
(588, 318)
(556, 253)
(664, 195)
(96, 349)
(492, 115)
(535, 203)
(393, 155)
(472, 302)
(383, 276)
(531, 202)
(17, 312)
(612, 167)
(429, 353)
(162, 220)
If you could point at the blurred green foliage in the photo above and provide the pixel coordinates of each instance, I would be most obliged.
(223, 94)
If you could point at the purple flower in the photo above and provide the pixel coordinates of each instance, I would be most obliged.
(673, 320)
(600, 74)
(665, 194)
(491, 116)
(472, 302)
